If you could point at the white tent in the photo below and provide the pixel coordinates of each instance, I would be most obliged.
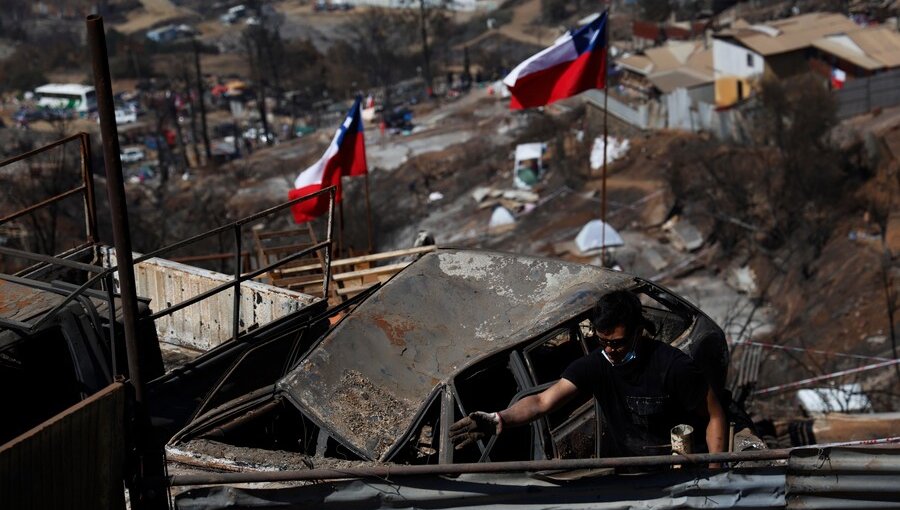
(592, 237)
(500, 217)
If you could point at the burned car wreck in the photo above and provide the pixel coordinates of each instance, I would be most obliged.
(455, 331)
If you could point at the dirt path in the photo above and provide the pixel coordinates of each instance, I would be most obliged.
(153, 11)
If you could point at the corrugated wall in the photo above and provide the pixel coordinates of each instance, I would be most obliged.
(863, 95)
(73, 460)
(208, 323)
(844, 478)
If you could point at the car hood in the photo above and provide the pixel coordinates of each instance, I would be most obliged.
(368, 377)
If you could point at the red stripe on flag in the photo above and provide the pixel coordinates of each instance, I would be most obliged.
(586, 72)
(313, 208)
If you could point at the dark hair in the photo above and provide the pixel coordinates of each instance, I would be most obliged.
(617, 308)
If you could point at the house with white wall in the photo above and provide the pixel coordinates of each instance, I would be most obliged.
(745, 53)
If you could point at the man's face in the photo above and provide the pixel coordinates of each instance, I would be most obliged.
(616, 342)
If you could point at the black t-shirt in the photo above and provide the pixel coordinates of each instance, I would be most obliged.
(642, 400)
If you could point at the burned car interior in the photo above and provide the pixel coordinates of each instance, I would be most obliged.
(386, 381)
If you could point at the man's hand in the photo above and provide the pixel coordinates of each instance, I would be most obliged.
(476, 426)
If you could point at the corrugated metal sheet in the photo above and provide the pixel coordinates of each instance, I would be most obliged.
(671, 489)
(208, 323)
(844, 478)
(863, 95)
(74, 460)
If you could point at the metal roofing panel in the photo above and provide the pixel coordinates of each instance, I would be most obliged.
(843, 52)
(679, 78)
(796, 33)
(662, 58)
(637, 63)
(879, 43)
(370, 374)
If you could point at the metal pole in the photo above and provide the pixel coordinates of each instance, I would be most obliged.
(605, 141)
(115, 188)
(90, 203)
(387, 471)
(200, 99)
(236, 319)
(146, 460)
(426, 57)
(369, 216)
(480, 467)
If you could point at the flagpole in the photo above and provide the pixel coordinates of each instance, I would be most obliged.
(341, 231)
(605, 142)
(369, 215)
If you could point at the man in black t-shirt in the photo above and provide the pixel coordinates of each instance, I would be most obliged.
(644, 388)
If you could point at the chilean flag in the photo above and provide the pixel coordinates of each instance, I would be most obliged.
(576, 62)
(345, 156)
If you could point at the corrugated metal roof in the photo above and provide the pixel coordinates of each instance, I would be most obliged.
(843, 52)
(637, 63)
(793, 33)
(879, 43)
(663, 59)
(679, 78)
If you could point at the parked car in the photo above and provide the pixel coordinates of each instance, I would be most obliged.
(453, 332)
(125, 116)
(131, 154)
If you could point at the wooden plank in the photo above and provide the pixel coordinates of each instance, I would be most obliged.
(299, 280)
(348, 291)
(380, 270)
(367, 258)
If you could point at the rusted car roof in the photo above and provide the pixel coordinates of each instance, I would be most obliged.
(368, 377)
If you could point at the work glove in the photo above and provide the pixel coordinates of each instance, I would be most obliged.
(476, 426)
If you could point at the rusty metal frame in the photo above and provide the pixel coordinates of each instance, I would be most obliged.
(86, 188)
(235, 227)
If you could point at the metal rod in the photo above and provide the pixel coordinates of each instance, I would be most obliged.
(484, 467)
(51, 260)
(508, 467)
(39, 150)
(605, 140)
(236, 309)
(369, 216)
(90, 200)
(110, 296)
(229, 226)
(332, 192)
(42, 203)
(115, 188)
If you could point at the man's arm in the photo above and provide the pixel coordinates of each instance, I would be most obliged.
(479, 425)
(533, 407)
(715, 429)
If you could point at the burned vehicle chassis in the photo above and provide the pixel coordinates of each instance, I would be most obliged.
(344, 398)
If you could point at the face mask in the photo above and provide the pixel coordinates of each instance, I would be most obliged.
(628, 357)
